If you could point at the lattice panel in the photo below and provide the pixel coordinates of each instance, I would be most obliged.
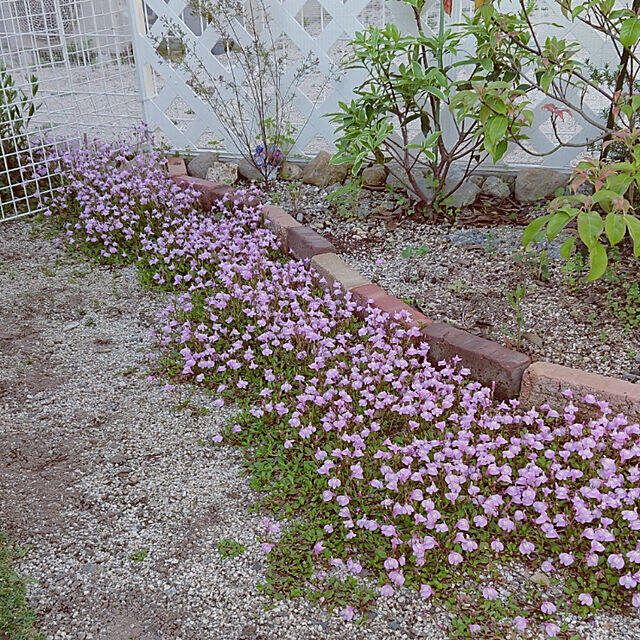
(322, 29)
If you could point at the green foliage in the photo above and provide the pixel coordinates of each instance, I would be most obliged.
(345, 199)
(603, 219)
(408, 83)
(17, 108)
(509, 42)
(228, 548)
(624, 301)
(410, 251)
(515, 298)
(139, 555)
(17, 620)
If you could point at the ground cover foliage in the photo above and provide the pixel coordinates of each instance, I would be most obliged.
(378, 470)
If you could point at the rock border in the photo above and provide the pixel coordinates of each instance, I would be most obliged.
(510, 371)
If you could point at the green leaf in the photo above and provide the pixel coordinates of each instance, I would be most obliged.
(567, 247)
(590, 226)
(615, 227)
(630, 32)
(496, 128)
(633, 224)
(597, 260)
(531, 230)
(557, 223)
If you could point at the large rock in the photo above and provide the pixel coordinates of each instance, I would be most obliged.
(226, 172)
(464, 195)
(375, 176)
(290, 171)
(398, 179)
(400, 182)
(494, 186)
(536, 183)
(249, 172)
(199, 166)
(320, 172)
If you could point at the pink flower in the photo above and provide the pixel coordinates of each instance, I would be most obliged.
(386, 590)
(455, 558)
(551, 629)
(347, 613)
(585, 599)
(526, 547)
(548, 607)
(426, 591)
(616, 561)
(566, 559)
(520, 623)
(489, 593)
(635, 600)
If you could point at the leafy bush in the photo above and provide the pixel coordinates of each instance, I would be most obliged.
(553, 65)
(409, 90)
(17, 107)
(251, 90)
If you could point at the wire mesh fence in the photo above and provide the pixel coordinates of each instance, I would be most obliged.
(67, 75)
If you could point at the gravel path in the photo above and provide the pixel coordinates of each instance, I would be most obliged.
(103, 475)
(98, 464)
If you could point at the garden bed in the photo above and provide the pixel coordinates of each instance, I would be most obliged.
(463, 275)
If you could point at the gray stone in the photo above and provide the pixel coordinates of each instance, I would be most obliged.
(469, 238)
(290, 171)
(320, 172)
(494, 186)
(421, 177)
(541, 579)
(536, 183)
(396, 180)
(551, 247)
(477, 180)
(375, 176)
(464, 195)
(199, 166)
(249, 172)
(226, 172)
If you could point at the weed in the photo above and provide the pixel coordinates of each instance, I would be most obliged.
(17, 620)
(228, 548)
(139, 555)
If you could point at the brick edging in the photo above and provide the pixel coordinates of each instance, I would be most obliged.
(512, 372)
(488, 361)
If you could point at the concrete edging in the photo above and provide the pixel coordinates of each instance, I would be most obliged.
(512, 372)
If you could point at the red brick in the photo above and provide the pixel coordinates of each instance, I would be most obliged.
(280, 222)
(488, 361)
(390, 304)
(176, 167)
(544, 382)
(210, 192)
(304, 242)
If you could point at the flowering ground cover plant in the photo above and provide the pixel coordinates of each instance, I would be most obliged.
(393, 472)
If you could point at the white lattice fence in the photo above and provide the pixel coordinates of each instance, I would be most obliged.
(89, 86)
(321, 28)
(81, 55)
